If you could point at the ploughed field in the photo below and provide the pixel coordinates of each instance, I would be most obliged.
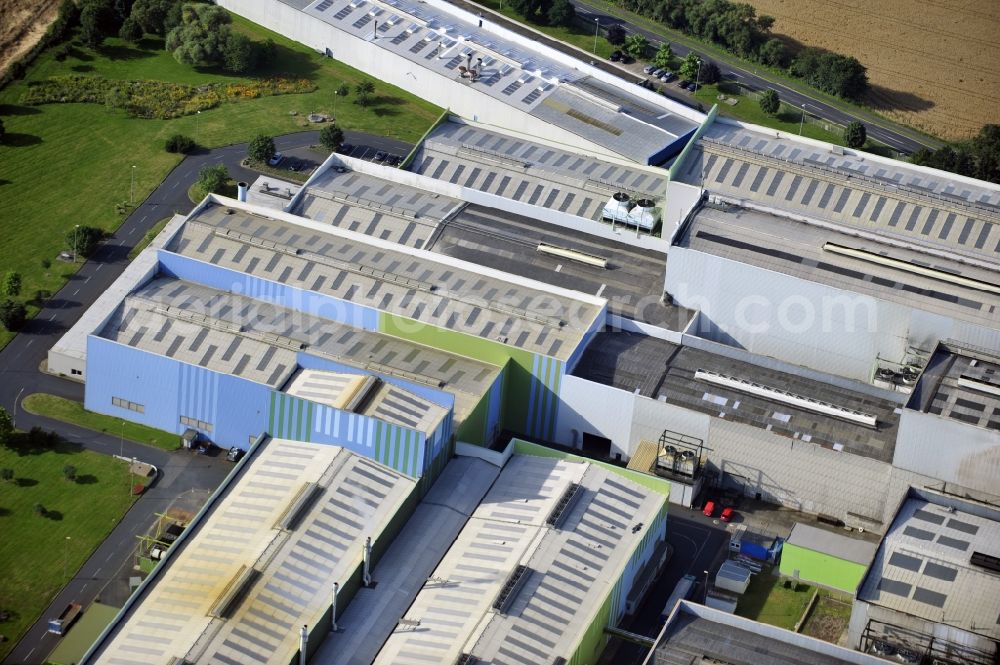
(22, 24)
(933, 64)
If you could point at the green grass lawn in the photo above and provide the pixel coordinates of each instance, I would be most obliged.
(768, 601)
(39, 554)
(70, 411)
(66, 164)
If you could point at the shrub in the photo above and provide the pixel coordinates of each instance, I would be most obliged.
(769, 102)
(6, 475)
(11, 284)
(331, 137)
(12, 314)
(69, 472)
(131, 31)
(61, 52)
(261, 148)
(616, 34)
(364, 90)
(855, 135)
(710, 73)
(212, 178)
(40, 510)
(179, 143)
(83, 240)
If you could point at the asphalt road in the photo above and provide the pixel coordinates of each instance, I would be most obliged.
(748, 77)
(20, 375)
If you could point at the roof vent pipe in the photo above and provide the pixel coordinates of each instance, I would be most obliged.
(303, 644)
(241, 191)
(366, 577)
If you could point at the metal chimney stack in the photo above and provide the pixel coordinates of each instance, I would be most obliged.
(241, 191)
(366, 575)
(333, 610)
(303, 644)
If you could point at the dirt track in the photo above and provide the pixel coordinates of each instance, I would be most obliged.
(933, 64)
(24, 22)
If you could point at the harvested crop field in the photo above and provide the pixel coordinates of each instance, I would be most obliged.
(934, 65)
(24, 22)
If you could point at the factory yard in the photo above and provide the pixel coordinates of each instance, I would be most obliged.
(937, 69)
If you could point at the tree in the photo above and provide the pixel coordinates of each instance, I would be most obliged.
(343, 91)
(6, 426)
(212, 178)
(536, 11)
(261, 148)
(96, 22)
(636, 45)
(831, 72)
(11, 285)
(69, 472)
(3, 130)
(12, 314)
(201, 37)
(6, 475)
(664, 56)
(131, 31)
(689, 66)
(855, 135)
(364, 90)
(562, 12)
(710, 73)
(46, 263)
(331, 137)
(239, 53)
(769, 102)
(773, 52)
(180, 143)
(157, 17)
(82, 241)
(616, 34)
(40, 510)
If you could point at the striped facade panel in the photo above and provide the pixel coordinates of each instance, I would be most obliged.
(397, 447)
(300, 300)
(656, 533)
(543, 397)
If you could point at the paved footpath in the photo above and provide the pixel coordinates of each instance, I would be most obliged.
(20, 376)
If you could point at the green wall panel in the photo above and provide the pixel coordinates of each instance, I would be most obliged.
(820, 568)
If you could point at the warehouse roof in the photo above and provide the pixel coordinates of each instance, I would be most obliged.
(387, 277)
(443, 41)
(373, 206)
(697, 634)
(891, 198)
(631, 281)
(262, 561)
(259, 341)
(530, 172)
(832, 256)
(962, 383)
(836, 545)
(939, 561)
(780, 402)
(514, 586)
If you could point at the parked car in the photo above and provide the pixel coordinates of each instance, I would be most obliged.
(727, 514)
(346, 149)
(880, 648)
(275, 159)
(648, 69)
(709, 508)
(684, 84)
(381, 155)
(657, 73)
(294, 165)
(692, 87)
(668, 76)
(235, 454)
(615, 56)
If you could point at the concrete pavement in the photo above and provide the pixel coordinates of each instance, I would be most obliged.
(20, 376)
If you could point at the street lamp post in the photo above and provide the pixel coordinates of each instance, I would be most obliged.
(697, 78)
(597, 28)
(131, 189)
(65, 555)
(121, 449)
(803, 119)
(76, 230)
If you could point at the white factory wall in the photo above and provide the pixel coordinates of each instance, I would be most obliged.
(588, 407)
(803, 322)
(396, 70)
(949, 450)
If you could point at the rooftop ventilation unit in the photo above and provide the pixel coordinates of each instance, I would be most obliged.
(299, 506)
(509, 590)
(645, 214)
(237, 589)
(617, 207)
(573, 255)
(776, 395)
(978, 385)
(562, 507)
(987, 561)
(907, 266)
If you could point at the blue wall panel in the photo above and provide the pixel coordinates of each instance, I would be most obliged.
(543, 396)
(308, 302)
